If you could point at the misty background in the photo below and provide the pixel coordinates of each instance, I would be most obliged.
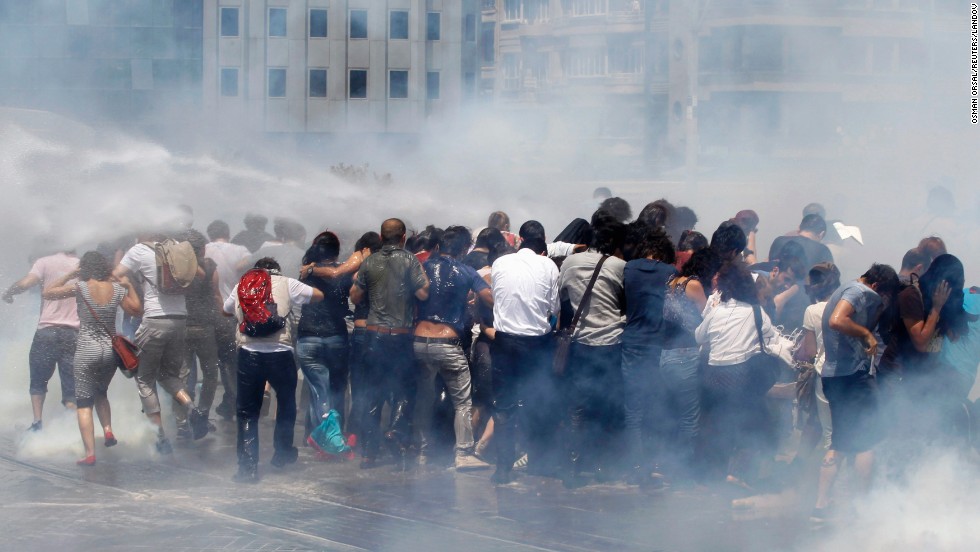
(113, 112)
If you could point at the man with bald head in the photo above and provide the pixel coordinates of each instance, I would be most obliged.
(392, 280)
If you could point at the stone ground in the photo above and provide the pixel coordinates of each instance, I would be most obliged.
(188, 502)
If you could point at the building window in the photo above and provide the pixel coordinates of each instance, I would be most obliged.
(589, 7)
(277, 22)
(433, 25)
(585, 63)
(486, 42)
(277, 83)
(469, 28)
(511, 71)
(512, 10)
(229, 81)
(398, 24)
(358, 24)
(398, 84)
(229, 21)
(318, 83)
(318, 23)
(432, 85)
(358, 84)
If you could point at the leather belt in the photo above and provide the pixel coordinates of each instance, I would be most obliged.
(388, 330)
(437, 340)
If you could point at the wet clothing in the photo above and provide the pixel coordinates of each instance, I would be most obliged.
(141, 260)
(476, 259)
(328, 317)
(450, 282)
(53, 348)
(95, 361)
(815, 251)
(288, 293)
(525, 293)
(254, 370)
(645, 288)
(603, 320)
(390, 278)
(445, 358)
(56, 312)
(844, 354)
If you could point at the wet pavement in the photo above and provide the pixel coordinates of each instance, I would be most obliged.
(188, 502)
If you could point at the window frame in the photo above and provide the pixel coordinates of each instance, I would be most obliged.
(285, 22)
(268, 82)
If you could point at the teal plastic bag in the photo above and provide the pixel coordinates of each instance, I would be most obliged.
(328, 436)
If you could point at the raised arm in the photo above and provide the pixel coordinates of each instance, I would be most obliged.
(60, 288)
(20, 286)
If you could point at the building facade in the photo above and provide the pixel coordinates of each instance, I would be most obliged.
(673, 81)
(101, 59)
(339, 66)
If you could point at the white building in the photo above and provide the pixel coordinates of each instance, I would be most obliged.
(338, 66)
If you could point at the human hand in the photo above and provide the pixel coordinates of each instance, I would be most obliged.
(8, 298)
(872, 345)
(306, 271)
(941, 295)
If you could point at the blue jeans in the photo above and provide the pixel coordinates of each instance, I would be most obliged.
(53, 346)
(594, 386)
(320, 358)
(679, 370)
(642, 401)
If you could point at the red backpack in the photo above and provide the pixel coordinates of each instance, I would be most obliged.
(260, 312)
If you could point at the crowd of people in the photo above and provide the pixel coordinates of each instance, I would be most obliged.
(624, 350)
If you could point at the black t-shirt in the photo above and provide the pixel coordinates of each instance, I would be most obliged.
(815, 251)
(791, 317)
(326, 318)
(476, 259)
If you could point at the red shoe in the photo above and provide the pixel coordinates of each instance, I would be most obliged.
(87, 461)
(351, 442)
(110, 439)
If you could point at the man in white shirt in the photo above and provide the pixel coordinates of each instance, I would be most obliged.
(525, 295)
(228, 257)
(268, 359)
(161, 340)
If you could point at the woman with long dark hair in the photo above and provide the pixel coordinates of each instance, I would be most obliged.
(738, 373)
(95, 360)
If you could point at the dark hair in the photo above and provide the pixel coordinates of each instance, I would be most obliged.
(813, 223)
(219, 230)
(498, 220)
(195, 238)
(429, 238)
(914, 257)
(94, 266)
(392, 231)
(885, 277)
(794, 264)
(692, 240)
(483, 238)
(370, 240)
(684, 220)
(815, 209)
(618, 207)
(535, 244)
(326, 247)
(656, 213)
(414, 244)
(702, 265)
(288, 230)
(949, 269)
(497, 250)
(610, 235)
(531, 229)
(652, 242)
(254, 221)
(822, 280)
(268, 263)
(455, 241)
(728, 240)
(735, 282)
(791, 249)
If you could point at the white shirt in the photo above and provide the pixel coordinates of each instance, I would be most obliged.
(227, 256)
(525, 293)
(729, 329)
(298, 294)
(142, 259)
(813, 321)
(560, 249)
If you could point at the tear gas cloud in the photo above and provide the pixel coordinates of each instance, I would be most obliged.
(71, 179)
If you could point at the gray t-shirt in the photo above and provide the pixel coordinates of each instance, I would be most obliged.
(844, 355)
(390, 278)
(603, 320)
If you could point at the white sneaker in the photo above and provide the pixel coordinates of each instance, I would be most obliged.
(470, 462)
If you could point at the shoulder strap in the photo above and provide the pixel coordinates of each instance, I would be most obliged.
(78, 290)
(757, 313)
(587, 295)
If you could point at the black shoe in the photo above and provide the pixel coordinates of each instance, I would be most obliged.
(164, 447)
(198, 420)
(283, 457)
(246, 475)
(502, 477)
(226, 411)
(35, 427)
